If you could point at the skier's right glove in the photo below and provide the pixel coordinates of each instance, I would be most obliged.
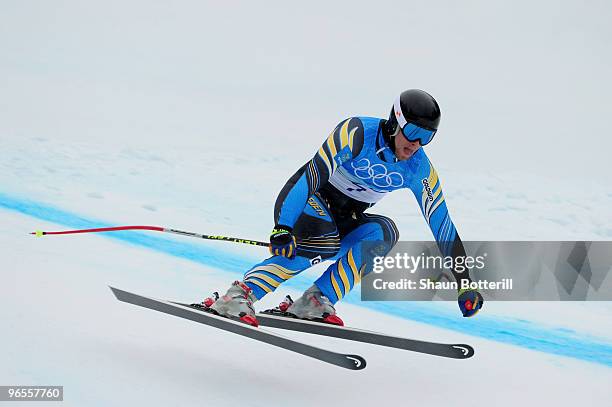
(282, 242)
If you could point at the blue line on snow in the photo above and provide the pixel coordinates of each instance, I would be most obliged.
(507, 330)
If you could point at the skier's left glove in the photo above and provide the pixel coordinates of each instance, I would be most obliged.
(282, 242)
(470, 302)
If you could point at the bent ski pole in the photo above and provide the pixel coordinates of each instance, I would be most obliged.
(156, 229)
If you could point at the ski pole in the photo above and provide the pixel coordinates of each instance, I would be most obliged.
(156, 229)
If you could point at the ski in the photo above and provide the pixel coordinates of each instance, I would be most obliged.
(352, 362)
(456, 351)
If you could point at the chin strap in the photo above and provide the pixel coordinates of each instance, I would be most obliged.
(389, 135)
(389, 139)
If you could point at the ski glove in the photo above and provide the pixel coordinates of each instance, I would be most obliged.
(282, 242)
(470, 302)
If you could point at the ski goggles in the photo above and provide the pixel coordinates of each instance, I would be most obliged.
(412, 132)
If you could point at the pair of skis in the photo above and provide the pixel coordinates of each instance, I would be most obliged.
(348, 361)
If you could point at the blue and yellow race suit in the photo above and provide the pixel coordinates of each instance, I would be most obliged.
(324, 203)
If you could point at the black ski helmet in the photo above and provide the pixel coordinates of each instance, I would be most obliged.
(416, 107)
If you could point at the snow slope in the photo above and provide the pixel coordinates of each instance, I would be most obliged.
(65, 327)
(193, 115)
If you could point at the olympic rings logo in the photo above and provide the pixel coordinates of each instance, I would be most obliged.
(377, 173)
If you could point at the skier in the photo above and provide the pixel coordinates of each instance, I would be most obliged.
(320, 213)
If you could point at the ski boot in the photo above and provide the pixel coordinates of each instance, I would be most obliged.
(236, 304)
(312, 305)
(208, 301)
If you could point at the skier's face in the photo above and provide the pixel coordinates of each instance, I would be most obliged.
(404, 148)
